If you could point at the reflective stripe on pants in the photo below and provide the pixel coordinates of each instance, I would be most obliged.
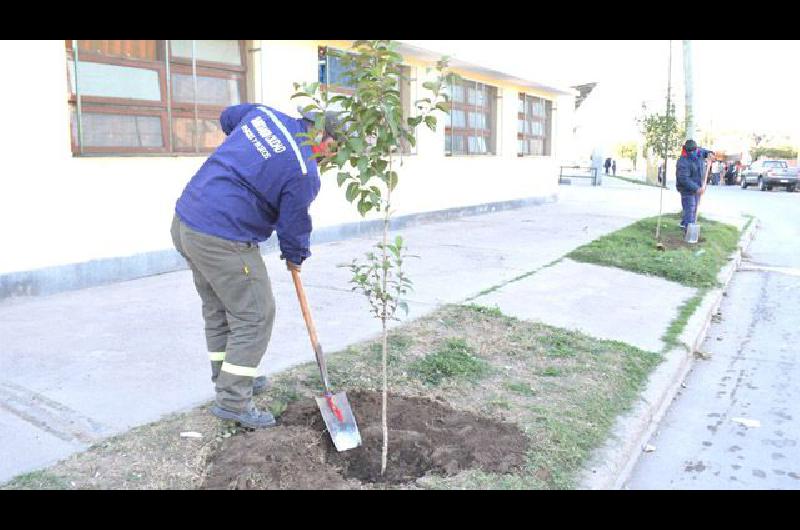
(231, 279)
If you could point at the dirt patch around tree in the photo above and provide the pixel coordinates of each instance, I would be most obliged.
(676, 241)
(426, 437)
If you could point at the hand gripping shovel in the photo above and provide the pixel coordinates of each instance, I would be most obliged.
(693, 229)
(336, 411)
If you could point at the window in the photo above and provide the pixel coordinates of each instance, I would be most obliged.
(149, 96)
(534, 126)
(331, 74)
(470, 127)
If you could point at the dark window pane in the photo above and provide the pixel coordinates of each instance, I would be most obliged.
(211, 90)
(217, 51)
(129, 49)
(211, 135)
(458, 145)
(112, 81)
(336, 73)
(458, 93)
(118, 130)
(459, 118)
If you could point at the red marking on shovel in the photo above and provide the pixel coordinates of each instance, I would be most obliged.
(334, 408)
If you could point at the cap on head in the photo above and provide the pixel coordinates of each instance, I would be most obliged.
(332, 121)
(690, 146)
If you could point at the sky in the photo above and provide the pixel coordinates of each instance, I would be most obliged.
(745, 85)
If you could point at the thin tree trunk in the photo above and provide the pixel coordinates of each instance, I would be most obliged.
(385, 452)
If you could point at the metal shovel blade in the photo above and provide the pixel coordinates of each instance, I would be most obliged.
(692, 232)
(344, 432)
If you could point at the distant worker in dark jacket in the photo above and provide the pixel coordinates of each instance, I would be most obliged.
(261, 179)
(607, 165)
(689, 181)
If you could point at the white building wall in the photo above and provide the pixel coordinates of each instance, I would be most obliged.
(57, 209)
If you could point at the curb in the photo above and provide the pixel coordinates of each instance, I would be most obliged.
(611, 465)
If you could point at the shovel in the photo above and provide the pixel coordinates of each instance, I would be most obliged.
(335, 408)
(693, 229)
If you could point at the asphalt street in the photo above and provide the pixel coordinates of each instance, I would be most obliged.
(736, 423)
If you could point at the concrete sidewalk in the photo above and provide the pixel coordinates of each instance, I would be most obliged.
(79, 366)
(604, 302)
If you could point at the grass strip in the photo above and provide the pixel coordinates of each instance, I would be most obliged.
(633, 248)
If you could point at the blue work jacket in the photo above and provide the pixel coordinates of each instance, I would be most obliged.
(261, 179)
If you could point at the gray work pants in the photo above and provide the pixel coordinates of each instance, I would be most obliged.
(238, 308)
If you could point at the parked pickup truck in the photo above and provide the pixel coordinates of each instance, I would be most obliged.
(768, 173)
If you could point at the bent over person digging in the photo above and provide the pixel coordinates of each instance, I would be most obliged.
(261, 179)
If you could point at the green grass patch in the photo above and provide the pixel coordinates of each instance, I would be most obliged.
(455, 358)
(492, 311)
(748, 223)
(685, 312)
(633, 248)
(521, 388)
(634, 181)
(551, 371)
(38, 480)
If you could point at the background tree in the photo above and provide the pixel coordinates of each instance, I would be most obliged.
(663, 135)
(785, 153)
(372, 133)
(629, 150)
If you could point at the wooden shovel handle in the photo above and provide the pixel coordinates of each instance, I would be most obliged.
(312, 331)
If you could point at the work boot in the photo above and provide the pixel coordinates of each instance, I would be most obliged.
(259, 383)
(252, 417)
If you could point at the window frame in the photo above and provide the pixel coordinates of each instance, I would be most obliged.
(166, 108)
(528, 119)
(322, 55)
(130, 111)
(488, 109)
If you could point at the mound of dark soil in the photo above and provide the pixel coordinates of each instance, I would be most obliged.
(425, 437)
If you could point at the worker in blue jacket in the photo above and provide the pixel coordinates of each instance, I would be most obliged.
(262, 179)
(689, 176)
(688, 181)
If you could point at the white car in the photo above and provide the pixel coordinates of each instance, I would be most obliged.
(768, 173)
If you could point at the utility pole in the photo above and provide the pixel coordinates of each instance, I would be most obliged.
(689, 88)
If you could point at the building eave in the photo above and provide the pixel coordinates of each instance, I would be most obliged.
(456, 63)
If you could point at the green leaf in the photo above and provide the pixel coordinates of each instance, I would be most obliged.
(364, 207)
(341, 156)
(392, 176)
(430, 121)
(356, 144)
(341, 177)
(444, 106)
(352, 191)
(362, 164)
